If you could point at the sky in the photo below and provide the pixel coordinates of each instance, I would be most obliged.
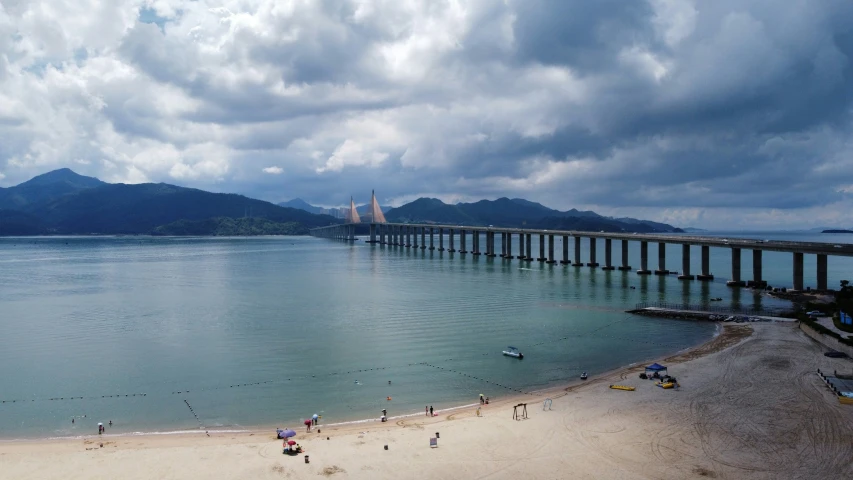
(716, 114)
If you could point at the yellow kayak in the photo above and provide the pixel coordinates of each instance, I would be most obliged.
(666, 385)
(622, 387)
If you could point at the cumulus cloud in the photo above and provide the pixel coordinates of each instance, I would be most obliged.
(725, 113)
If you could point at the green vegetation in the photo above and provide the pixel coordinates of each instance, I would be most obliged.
(517, 213)
(62, 202)
(13, 222)
(230, 227)
(843, 302)
(825, 331)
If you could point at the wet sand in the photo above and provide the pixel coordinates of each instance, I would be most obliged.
(750, 406)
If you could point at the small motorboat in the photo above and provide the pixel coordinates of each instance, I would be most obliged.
(513, 352)
(584, 376)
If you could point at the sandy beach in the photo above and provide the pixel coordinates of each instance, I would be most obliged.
(750, 406)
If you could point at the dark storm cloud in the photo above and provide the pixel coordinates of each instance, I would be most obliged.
(724, 106)
(586, 36)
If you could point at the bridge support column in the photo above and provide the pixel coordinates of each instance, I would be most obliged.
(685, 263)
(578, 262)
(735, 281)
(565, 260)
(551, 249)
(528, 256)
(521, 246)
(508, 246)
(372, 233)
(706, 264)
(462, 248)
(491, 237)
(381, 234)
(798, 271)
(821, 272)
(592, 262)
(475, 240)
(624, 266)
(415, 234)
(431, 238)
(608, 254)
(757, 280)
(503, 244)
(541, 257)
(661, 260)
(423, 238)
(452, 234)
(644, 259)
(440, 239)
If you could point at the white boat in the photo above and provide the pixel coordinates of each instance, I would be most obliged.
(513, 352)
(583, 376)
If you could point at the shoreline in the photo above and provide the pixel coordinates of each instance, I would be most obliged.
(561, 388)
(751, 406)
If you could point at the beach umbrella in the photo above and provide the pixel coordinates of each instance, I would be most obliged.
(291, 442)
(288, 433)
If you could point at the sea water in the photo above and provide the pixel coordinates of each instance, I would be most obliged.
(174, 334)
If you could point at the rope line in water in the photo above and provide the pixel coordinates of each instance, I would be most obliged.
(93, 397)
(200, 425)
(588, 334)
(478, 378)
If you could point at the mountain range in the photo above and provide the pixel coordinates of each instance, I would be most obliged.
(504, 212)
(65, 203)
(518, 213)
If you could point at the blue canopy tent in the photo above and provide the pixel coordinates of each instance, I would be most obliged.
(655, 368)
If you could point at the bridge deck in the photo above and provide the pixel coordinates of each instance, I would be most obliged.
(822, 248)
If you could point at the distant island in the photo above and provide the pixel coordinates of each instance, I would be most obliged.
(63, 202)
(506, 212)
(836, 231)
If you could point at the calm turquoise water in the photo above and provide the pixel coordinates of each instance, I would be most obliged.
(267, 331)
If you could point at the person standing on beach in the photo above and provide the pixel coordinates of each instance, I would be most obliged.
(315, 419)
(426, 412)
(482, 399)
(430, 410)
